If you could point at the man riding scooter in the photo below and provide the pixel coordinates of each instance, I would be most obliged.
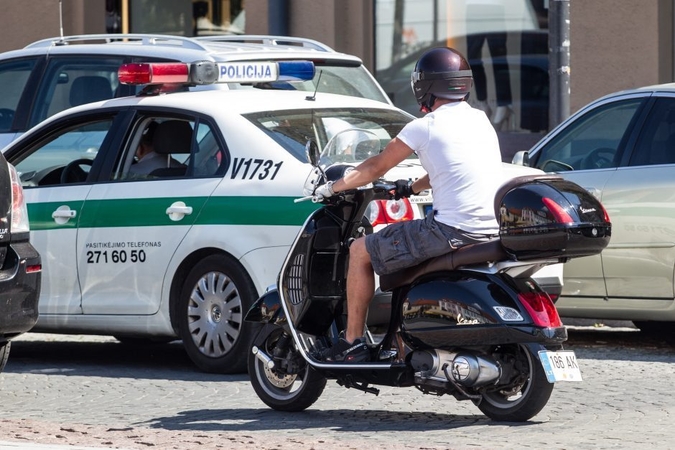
(459, 149)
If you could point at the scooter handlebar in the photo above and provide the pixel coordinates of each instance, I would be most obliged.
(378, 186)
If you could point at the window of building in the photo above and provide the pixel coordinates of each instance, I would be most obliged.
(178, 17)
(505, 41)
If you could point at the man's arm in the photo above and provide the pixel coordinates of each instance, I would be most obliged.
(376, 166)
(421, 184)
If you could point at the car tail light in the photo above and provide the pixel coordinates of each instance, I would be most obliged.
(34, 268)
(383, 212)
(19, 208)
(541, 309)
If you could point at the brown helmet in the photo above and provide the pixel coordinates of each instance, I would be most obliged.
(441, 72)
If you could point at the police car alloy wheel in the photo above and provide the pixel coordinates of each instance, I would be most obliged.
(215, 297)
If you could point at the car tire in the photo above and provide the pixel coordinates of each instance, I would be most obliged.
(215, 297)
(4, 354)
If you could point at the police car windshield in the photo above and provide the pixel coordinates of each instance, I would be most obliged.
(343, 80)
(292, 129)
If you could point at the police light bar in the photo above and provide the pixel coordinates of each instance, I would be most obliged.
(208, 72)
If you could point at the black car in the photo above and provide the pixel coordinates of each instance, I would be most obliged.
(20, 263)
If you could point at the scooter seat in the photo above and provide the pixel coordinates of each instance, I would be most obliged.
(464, 256)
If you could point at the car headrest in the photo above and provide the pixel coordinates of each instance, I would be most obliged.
(87, 89)
(172, 136)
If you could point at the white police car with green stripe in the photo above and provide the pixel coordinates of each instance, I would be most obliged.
(179, 251)
(179, 242)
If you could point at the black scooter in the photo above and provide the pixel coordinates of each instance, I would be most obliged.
(472, 323)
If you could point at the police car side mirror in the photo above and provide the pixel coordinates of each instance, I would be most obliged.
(521, 158)
(312, 151)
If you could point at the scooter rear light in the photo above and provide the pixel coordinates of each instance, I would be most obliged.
(541, 309)
(384, 212)
(604, 212)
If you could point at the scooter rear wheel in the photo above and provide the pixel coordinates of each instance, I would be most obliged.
(527, 399)
(283, 391)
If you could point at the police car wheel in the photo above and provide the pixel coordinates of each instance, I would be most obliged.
(215, 297)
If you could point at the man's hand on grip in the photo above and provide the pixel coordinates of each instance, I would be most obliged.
(403, 189)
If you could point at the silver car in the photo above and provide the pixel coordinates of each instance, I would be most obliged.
(622, 149)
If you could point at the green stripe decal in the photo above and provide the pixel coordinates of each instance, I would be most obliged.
(152, 212)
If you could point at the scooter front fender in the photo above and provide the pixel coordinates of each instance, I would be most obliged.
(267, 309)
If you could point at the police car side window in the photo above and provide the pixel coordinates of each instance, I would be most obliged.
(65, 157)
(209, 157)
(167, 147)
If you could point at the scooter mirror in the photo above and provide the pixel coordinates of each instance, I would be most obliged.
(312, 151)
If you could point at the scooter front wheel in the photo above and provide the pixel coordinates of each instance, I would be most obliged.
(527, 397)
(280, 390)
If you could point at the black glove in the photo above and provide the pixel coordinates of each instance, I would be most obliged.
(403, 189)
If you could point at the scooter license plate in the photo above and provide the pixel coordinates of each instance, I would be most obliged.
(560, 366)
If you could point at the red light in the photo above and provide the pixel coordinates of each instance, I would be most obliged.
(559, 213)
(606, 216)
(155, 73)
(34, 268)
(541, 309)
(384, 212)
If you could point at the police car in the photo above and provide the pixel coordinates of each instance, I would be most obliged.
(181, 251)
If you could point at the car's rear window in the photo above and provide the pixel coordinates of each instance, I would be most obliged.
(292, 129)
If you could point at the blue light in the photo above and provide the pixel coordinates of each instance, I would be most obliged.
(296, 70)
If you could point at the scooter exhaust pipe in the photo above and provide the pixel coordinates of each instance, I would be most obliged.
(466, 369)
(475, 370)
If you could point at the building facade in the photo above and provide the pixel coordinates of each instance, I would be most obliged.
(614, 44)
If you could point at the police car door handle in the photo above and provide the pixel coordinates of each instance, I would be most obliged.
(178, 210)
(63, 214)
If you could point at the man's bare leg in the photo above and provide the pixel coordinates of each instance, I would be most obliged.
(360, 289)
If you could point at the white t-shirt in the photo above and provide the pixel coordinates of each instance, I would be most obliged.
(459, 149)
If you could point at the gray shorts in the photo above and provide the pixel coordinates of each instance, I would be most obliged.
(407, 244)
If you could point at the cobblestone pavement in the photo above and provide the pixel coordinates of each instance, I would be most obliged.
(97, 392)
